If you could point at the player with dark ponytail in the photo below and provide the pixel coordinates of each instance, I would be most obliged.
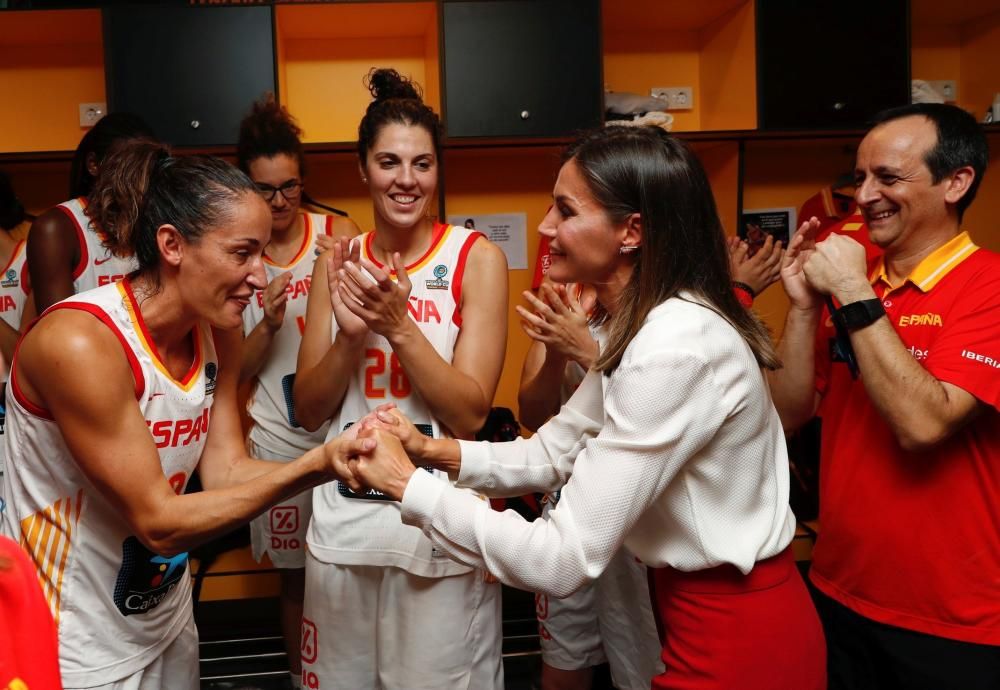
(270, 153)
(65, 252)
(418, 313)
(119, 394)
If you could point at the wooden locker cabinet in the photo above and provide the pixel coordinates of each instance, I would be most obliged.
(190, 72)
(521, 68)
(830, 65)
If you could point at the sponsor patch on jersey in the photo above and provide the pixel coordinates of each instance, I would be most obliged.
(977, 357)
(371, 494)
(10, 279)
(211, 372)
(145, 579)
(928, 319)
(438, 283)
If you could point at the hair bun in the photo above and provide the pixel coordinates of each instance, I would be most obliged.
(385, 83)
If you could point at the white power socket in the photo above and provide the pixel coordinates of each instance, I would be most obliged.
(677, 97)
(90, 113)
(947, 88)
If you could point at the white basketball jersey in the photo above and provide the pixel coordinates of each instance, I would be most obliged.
(97, 265)
(365, 529)
(272, 407)
(14, 290)
(117, 605)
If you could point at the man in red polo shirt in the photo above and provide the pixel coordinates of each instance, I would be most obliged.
(906, 379)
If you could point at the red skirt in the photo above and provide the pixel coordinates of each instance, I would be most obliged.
(722, 630)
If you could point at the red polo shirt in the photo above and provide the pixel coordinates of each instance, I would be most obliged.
(913, 539)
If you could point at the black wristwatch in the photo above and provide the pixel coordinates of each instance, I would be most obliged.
(860, 314)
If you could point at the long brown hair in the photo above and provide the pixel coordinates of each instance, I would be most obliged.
(644, 170)
(142, 186)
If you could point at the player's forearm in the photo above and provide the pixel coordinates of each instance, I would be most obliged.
(320, 389)
(255, 350)
(248, 489)
(455, 399)
(539, 395)
(793, 386)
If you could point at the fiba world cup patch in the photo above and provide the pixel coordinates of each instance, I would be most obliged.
(439, 283)
(211, 372)
(145, 579)
(10, 279)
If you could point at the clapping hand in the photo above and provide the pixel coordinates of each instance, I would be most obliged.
(379, 301)
(275, 299)
(801, 293)
(344, 250)
(560, 322)
(760, 270)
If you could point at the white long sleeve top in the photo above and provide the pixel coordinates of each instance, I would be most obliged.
(679, 455)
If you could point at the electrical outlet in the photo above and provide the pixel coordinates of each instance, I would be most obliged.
(677, 97)
(947, 88)
(90, 113)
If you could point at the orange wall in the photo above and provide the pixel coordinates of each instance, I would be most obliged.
(967, 53)
(729, 71)
(710, 49)
(505, 181)
(980, 63)
(50, 62)
(325, 51)
(637, 61)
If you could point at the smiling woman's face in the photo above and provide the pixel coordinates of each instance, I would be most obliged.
(402, 173)
(584, 242)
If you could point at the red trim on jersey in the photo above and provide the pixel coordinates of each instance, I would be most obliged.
(456, 283)
(307, 232)
(81, 265)
(141, 323)
(13, 256)
(25, 278)
(436, 235)
(102, 316)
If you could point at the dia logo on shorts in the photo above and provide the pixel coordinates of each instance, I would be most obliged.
(284, 519)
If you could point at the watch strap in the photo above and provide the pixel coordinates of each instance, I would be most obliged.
(859, 314)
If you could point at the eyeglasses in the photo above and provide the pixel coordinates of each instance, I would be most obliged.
(291, 190)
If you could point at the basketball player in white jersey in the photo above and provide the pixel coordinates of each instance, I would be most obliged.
(414, 313)
(118, 395)
(269, 151)
(66, 253)
(612, 618)
(16, 305)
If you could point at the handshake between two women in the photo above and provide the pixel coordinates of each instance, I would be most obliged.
(379, 451)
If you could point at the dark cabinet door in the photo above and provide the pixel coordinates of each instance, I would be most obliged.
(521, 67)
(191, 72)
(830, 64)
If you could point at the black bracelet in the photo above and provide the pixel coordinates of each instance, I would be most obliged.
(744, 287)
(859, 314)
